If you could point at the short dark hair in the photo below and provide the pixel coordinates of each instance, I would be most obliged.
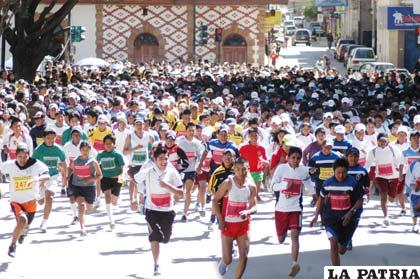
(240, 161)
(85, 144)
(294, 149)
(189, 125)
(110, 137)
(160, 149)
(341, 163)
(320, 130)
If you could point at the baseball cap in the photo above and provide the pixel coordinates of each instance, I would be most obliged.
(102, 119)
(77, 129)
(224, 128)
(164, 127)
(53, 106)
(402, 129)
(171, 135)
(416, 119)
(414, 133)
(39, 114)
(353, 150)
(328, 142)
(328, 114)
(49, 131)
(340, 129)
(139, 119)
(346, 100)
(315, 95)
(231, 122)
(229, 151)
(360, 127)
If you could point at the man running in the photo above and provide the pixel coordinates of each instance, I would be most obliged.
(112, 165)
(54, 157)
(239, 197)
(412, 181)
(287, 182)
(340, 198)
(25, 175)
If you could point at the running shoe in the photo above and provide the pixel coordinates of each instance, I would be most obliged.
(403, 212)
(112, 226)
(294, 269)
(97, 203)
(415, 229)
(350, 245)
(43, 228)
(222, 268)
(184, 218)
(156, 271)
(75, 220)
(197, 207)
(386, 222)
(208, 198)
(63, 191)
(83, 233)
(22, 238)
(12, 250)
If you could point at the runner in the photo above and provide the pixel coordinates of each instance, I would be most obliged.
(340, 198)
(341, 145)
(97, 135)
(239, 202)
(53, 156)
(17, 135)
(287, 183)
(192, 148)
(180, 127)
(389, 170)
(219, 176)
(73, 120)
(25, 175)
(412, 181)
(256, 156)
(360, 141)
(112, 166)
(84, 174)
(161, 184)
(37, 131)
(361, 175)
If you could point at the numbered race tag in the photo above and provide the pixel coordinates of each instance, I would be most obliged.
(161, 200)
(139, 157)
(39, 141)
(82, 171)
(12, 154)
(58, 139)
(108, 163)
(410, 160)
(218, 156)
(98, 145)
(418, 181)
(325, 173)
(206, 164)
(20, 183)
(340, 202)
(295, 188)
(191, 156)
(385, 169)
(362, 162)
(234, 208)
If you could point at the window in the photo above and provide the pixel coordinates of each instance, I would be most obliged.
(146, 39)
(234, 40)
(365, 54)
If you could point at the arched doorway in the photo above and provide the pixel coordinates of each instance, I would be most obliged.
(146, 48)
(234, 49)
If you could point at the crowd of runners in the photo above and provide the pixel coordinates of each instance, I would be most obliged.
(231, 131)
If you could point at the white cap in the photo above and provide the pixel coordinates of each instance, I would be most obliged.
(254, 95)
(276, 120)
(346, 100)
(103, 119)
(340, 129)
(331, 103)
(402, 129)
(417, 119)
(328, 114)
(359, 127)
(379, 96)
(315, 95)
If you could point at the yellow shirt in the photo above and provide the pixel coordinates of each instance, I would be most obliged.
(170, 118)
(179, 128)
(237, 138)
(392, 138)
(96, 137)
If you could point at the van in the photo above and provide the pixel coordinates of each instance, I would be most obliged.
(289, 30)
(299, 20)
(301, 36)
(359, 56)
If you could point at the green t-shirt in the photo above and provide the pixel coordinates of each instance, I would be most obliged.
(51, 156)
(110, 163)
(66, 136)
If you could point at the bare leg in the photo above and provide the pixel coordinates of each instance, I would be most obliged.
(81, 205)
(48, 204)
(295, 244)
(202, 193)
(384, 200)
(21, 224)
(188, 186)
(227, 246)
(335, 258)
(155, 251)
(243, 246)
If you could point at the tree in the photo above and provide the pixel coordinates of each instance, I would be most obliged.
(310, 12)
(31, 37)
(7, 11)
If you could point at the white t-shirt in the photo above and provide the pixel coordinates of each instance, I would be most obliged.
(193, 151)
(20, 191)
(290, 199)
(158, 198)
(387, 161)
(72, 151)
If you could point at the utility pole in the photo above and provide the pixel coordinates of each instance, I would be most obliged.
(3, 51)
(194, 27)
(70, 44)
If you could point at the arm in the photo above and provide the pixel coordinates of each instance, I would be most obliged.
(252, 203)
(318, 210)
(174, 190)
(98, 175)
(127, 145)
(63, 170)
(218, 196)
(200, 164)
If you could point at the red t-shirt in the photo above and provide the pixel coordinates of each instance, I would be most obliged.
(253, 153)
(280, 157)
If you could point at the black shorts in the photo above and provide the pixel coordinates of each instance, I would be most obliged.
(189, 176)
(111, 183)
(160, 225)
(318, 186)
(133, 170)
(341, 233)
(88, 192)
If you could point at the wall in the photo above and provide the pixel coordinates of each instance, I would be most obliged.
(84, 15)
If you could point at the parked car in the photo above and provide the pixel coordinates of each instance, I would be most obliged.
(343, 41)
(339, 54)
(402, 71)
(347, 51)
(376, 67)
(289, 23)
(359, 56)
(299, 20)
(316, 29)
(289, 30)
(301, 36)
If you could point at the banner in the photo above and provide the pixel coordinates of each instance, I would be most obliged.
(331, 3)
(402, 18)
(273, 20)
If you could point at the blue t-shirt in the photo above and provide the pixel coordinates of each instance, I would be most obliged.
(324, 165)
(341, 146)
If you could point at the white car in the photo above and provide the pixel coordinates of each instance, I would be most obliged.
(359, 56)
(379, 67)
(289, 30)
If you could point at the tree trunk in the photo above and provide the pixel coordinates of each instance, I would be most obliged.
(26, 60)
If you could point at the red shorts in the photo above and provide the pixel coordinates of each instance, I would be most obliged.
(27, 208)
(389, 186)
(372, 173)
(236, 230)
(287, 220)
(203, 176)
(400, 187)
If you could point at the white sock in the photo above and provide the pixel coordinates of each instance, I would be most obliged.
(74, 209)
(44, 222)
(110, 212)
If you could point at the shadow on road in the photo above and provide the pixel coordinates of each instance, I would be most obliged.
(124, 252)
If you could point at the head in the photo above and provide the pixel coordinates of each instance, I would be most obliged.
(76, 137)
(109, 143)
(190, 132)
(382, 140)
(222, 135)
(320, 135)
(352, 156)
(228, 158)
(253, 136)
(170, 139)
(241, 167)
(22, 154)
(414, 140)
(160, 156)
(85, 148)
(340, 168)
(16, 126)
(294, 156)
(305, 129)
(49, 137)
(138, 125)
(326, 147)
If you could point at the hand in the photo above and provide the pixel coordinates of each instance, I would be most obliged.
(139, 146)
(221, 224)
(163, 184)
(314, 221)
(312, 170)
(134, 205)
(199, 170)
(347, 218)
(244, 214)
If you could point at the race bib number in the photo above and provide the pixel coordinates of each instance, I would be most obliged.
(325, 173)
(12, 154)
(206, 164)
(161, 200)
(58, 139)
(98, 145)
(139, 157)
(51, 162)
(191, 156)
(410, 160)
(340, 202)
(20, 183)
(108, 163)
(362, 162)
(295, 187)
(82, 171)
(385, 169)
(217, 156)
(39, 141)
(418, 181)
(234, 208)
